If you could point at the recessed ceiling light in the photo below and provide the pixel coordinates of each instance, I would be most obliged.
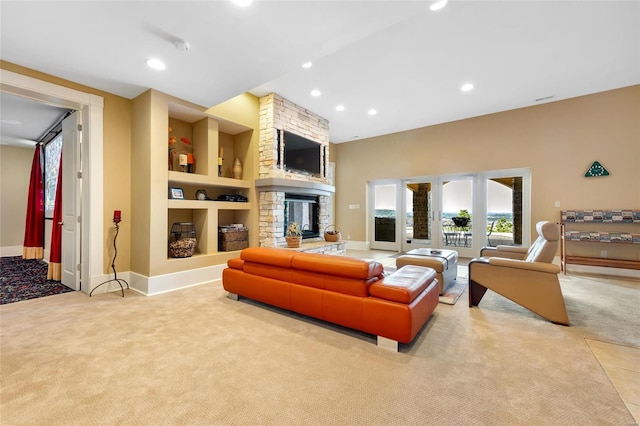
(308, 64)
(316, 92)
(467, 87)
(340, 108)
(156, 64)
(438, 5)
(372, 112)
(242, 3)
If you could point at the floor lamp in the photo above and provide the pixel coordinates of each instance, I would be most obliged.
(117, 218)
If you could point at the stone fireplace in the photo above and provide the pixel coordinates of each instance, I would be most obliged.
(286, 195)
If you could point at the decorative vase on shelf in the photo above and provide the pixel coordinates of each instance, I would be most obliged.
(170, 160)
(237, 169)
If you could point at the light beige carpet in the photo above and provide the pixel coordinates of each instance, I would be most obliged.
(195, 357)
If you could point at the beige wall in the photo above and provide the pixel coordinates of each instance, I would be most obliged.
(558, 141)
(117, 163)
(15, 170)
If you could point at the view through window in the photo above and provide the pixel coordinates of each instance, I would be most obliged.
(52, 153)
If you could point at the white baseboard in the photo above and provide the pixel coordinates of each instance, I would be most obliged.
(11, 251)
(357, 245)
(160, 284)
(109, 286)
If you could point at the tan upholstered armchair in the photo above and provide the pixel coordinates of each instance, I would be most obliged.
(526, 276)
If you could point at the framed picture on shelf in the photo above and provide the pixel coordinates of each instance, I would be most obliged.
(176, 193)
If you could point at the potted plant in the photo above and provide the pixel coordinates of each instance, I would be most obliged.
(294, 235)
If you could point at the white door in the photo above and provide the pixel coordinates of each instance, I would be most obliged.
(71, 140)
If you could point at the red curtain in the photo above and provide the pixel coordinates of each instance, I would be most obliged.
(34, 226)
(55, 264)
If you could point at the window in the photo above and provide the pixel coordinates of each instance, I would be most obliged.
(52, 152)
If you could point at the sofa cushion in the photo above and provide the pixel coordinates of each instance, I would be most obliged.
(337, 265)
(404, 285)
(338, 284)
(268, 256)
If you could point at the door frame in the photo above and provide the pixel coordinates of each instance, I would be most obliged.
(92, 107)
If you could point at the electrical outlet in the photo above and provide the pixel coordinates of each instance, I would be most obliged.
(557, 203)
(603, 253)
(348, 237)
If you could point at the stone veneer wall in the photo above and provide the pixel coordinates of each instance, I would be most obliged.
(279, 113)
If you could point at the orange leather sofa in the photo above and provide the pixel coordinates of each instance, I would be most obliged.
(350, 292)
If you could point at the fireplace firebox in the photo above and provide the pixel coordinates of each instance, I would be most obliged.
(302, 209)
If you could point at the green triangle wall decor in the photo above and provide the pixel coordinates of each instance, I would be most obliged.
(596, 170)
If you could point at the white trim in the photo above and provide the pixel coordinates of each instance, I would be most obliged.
(112, 286)
(92, 107)
(152, 286)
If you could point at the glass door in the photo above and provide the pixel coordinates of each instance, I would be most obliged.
(457, 212)
(420, 223)
(508, 207)
(384, 199)
(457, 219)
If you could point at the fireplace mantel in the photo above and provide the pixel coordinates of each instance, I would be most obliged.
(296, 186)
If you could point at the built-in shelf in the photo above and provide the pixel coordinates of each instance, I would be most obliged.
(178, 178)
(157, 117)
(586, 226)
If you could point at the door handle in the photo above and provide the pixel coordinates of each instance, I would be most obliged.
(60, 223)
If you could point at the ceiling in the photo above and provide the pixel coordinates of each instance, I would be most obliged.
(397, 57)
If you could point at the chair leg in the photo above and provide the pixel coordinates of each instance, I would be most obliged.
(476, 293)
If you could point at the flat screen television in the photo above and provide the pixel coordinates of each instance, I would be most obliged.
(300, 154)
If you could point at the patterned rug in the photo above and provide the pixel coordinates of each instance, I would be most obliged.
(22, 279)
(454, 291)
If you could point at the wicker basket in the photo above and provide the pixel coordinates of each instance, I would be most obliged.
(184, 247)
(293, 242)
(231, 239)
(332, 233)
(182, 242)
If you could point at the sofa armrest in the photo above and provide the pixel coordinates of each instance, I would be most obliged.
(235, 263)
(509, 252)
(549, 268)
